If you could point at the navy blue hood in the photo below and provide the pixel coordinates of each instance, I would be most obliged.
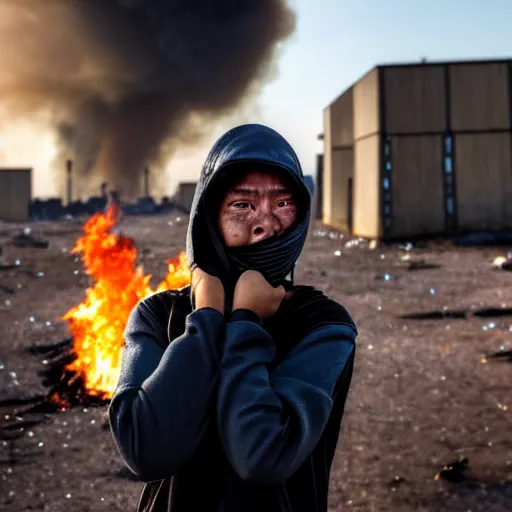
(274, 257)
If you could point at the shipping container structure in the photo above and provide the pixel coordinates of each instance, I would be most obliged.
(15, 194)
(423, 149)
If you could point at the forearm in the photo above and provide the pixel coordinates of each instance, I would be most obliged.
(269, 423)
(158, 421)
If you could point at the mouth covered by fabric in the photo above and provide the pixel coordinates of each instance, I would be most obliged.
(245, 147)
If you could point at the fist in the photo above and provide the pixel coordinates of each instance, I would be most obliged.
(254, 292)
(208, 290)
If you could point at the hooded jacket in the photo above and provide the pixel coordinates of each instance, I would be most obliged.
(247, 147)
(224, 413)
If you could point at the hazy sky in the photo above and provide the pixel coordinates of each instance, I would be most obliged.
(339, 40)
(336, 42)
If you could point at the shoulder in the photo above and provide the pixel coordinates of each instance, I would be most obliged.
(305, 310)
(160, 303)
(318, 308)
(152, 314)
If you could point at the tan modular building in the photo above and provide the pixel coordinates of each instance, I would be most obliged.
(15, 194)
(421, 149)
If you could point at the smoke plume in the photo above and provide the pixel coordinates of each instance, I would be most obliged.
(120, 80)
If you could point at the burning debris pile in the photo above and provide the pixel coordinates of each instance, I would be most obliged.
(85, 367)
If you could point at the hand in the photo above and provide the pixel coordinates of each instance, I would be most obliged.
(208, 290)
(254, 292)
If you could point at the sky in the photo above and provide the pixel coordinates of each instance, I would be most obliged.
(338, 41)
(335, 44)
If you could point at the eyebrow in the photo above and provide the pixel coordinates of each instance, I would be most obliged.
(255, 192)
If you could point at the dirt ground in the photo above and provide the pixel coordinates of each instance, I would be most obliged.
(421, 396)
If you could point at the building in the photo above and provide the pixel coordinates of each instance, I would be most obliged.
(185, 194)
(15, 194)
(419, 150)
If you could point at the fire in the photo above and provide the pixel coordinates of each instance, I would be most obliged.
(98, 322)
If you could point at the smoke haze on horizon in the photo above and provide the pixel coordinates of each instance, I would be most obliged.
(119, 84)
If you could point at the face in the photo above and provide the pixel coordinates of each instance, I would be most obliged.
(256, 207)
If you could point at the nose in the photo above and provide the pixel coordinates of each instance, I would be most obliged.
(266, 226)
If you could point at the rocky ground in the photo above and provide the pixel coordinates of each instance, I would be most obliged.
(423, 392)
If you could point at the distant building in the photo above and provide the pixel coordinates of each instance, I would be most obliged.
(15, 194)
(185, 194)
(420, 149)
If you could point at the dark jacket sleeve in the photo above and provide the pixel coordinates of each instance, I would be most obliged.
(269, 423)
(158, 414)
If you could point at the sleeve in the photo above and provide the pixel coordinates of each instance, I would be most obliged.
(270, 422)
(158, 414)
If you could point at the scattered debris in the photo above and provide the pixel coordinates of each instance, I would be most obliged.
(455, 472)
(52, 349)
(493, 312)
(506, 355)
(503, 263)
(420, 264)
(7, 289)
(3, 263)
(436, 315)
(396, 481)
(448, 313)
(26, 239)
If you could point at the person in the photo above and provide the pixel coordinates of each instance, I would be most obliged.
(232, 390)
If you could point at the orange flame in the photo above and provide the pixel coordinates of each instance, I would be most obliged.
(98, 322)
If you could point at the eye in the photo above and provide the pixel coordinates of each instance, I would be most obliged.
(284, 203)
(241, 205)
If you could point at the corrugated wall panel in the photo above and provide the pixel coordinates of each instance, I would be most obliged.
(483, 181)
(342, 166)
(479, 95)
(414, 99)
(366, 220)
(417, 186)
(342, 120)
(327, 174)
(366, 105)
(15, 194)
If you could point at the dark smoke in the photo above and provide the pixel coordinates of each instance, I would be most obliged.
(120, 80)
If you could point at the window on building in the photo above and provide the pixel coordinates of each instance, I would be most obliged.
(448, 168)
(448, 144)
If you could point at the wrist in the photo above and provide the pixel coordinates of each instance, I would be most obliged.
(214, 303)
